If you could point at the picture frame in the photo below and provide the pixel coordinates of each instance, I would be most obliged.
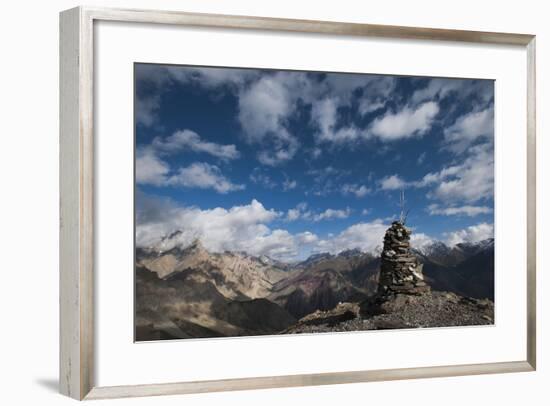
(77, 185)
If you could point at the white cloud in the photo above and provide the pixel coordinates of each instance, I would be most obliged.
(357, 190)
(364, 236)
(293, 214)
(240, 228)
(280, 154)
(376, 94)
(164, 76)
(150, 169)
(324, 114)
(203, 176)
(367, 106)
(435, 209)
(212, 77)
(393, 182)
(437, 88)
(289, 184)
(246, 228)
(436, 177)
(469, 128)
(366, 212)
(408, 122)
(329, 214)
(307, 237)
(470, 181)
(441, 88)
(327, 180)
(147, 109)
(301, 212)
(258, 177)
(316, 152)
(420, 240)
(187, 139)
(264, 108)
(475, 233)
(159, 78)
(279, 244)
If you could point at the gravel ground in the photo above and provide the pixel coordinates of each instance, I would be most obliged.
(435, 309)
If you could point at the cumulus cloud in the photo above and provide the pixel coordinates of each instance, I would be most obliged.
(407, 122)
(329, 214)
(393, 182)
(364, 236)
(150, 169)
(471, 234)
(376, 94)
(468, 128)
(325, 115)
(187, 139)
(240, 228)
(306, 238)
(301, 212)
(436, 177)
(247, 228)
(264, 109)
(435, 209)
(470, 181)
(293, 214)
(421, 240)
(355, 189)
(203, 176)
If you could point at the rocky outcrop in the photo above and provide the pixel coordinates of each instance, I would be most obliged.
(433, 309)
(403, 298)
(400, 270)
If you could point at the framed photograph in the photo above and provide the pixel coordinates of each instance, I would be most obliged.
(296, 202)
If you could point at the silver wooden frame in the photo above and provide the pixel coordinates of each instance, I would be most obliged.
(77, 204)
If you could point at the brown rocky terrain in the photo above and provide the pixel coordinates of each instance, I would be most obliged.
(433, 309)
(188, 292)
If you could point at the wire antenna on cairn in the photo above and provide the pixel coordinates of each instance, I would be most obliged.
(403, 214)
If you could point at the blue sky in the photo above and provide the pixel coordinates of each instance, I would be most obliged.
(286, 163)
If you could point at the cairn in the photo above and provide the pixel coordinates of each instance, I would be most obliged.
(400, 271)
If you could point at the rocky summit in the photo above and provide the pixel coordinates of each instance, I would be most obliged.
(432, 309)
(400, 270)
(403, 298)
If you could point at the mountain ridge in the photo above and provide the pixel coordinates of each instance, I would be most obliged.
(240, 291)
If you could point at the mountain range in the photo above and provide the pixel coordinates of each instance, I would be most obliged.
(188, 292)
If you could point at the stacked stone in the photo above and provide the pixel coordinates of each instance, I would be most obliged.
(400, 271)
